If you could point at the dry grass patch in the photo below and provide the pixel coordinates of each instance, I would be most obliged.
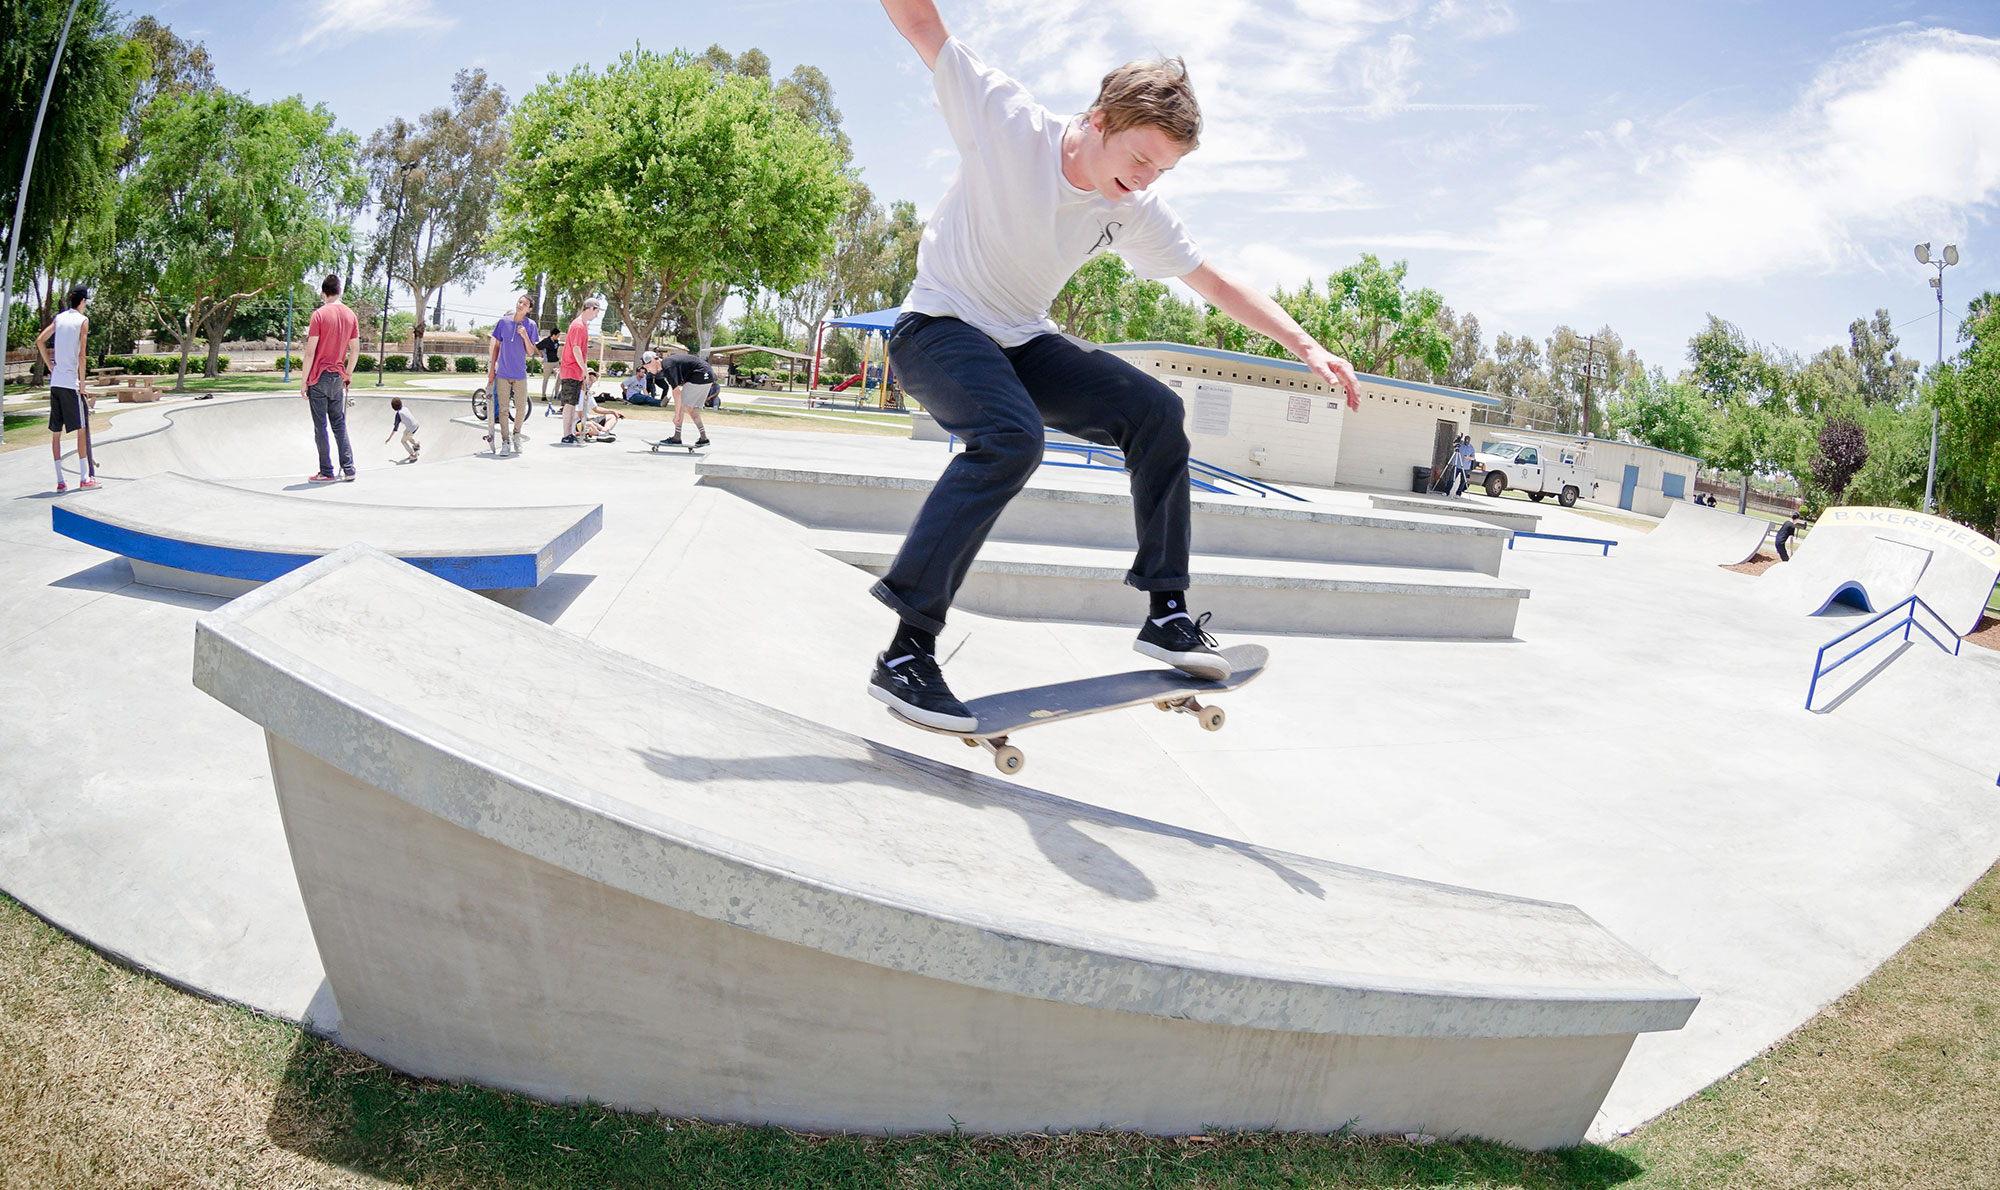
(1896, 1084)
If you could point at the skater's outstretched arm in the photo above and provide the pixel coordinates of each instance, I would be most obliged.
(920, 25)
(1257, 311)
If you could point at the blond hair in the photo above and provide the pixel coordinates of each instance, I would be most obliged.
(1153, 94)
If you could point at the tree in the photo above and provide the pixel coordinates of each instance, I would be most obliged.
(1515, 375)
(175, 67)
(850, 275)
(674, 182)
(1154, 315)
(71, 193)
(1461, 331)
(1720, 361)
(1886, 376)
(1966, 392)
(230, 199)
(435, 183)
(1842, 451)
(1090, 304)
(759, 323)
(1658, 412)
(1585, 372)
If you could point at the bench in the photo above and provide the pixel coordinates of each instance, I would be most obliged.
(711, 908)
(197, 535)
(128, 392)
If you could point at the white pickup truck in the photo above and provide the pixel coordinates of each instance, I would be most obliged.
(1566, 472)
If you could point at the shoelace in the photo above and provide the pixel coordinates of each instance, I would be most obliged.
(1200, 630)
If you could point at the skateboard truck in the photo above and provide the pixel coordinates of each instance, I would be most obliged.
(1210, 718)
(1006, 757)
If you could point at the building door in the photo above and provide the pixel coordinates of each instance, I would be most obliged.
(1442, 443)
(1629, 488)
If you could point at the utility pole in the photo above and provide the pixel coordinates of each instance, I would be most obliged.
(1591, 369)
(21, 206)
(1943, 262)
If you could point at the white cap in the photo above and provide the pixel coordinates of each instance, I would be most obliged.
(648, 358)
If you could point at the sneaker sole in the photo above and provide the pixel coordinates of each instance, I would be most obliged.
(1200, 665)
(921, 717)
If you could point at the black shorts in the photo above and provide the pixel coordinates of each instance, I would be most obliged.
(569, 392)
(66, 411)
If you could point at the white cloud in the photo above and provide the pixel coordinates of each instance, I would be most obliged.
(334, 23)
(1893, 138)
(1472, 18)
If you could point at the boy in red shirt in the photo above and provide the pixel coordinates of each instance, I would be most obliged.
(575, 348)
(333, 339)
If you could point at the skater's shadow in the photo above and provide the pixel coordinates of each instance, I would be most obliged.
(1056, 824)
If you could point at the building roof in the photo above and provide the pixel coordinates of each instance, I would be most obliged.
(1245, 359)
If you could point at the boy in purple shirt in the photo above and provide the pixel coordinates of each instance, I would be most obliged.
(507, 377)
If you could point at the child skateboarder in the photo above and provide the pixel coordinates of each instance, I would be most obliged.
(408, 425)
(1036, 196)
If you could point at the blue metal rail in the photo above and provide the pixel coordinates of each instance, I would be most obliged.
(1115, 459)
(1607, 544)
(1909, 609)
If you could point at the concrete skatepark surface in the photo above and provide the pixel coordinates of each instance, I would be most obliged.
(1874, 558)
(1695, 533)
(1638, 750)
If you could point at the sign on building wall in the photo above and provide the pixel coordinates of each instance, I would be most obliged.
(1298, 409)
(1212, 404)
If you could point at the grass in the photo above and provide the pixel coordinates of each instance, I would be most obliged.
(109, 1078)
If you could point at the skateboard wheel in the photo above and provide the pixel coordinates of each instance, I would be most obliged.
(1163, 705)
(1212, 719)
(1008, 759)
(969, 741)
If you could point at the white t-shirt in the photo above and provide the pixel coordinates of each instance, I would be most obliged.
(1011, 230)
(62, 368)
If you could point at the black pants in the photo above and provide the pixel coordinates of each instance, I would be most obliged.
(1782, 555)
(327, 397)
(997, 400)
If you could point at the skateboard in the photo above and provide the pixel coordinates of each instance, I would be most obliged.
(1001, 715)
(689, 447)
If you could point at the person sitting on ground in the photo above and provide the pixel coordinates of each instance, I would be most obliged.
(600, 425)
(1785, 532)
(682, 371)
(69, 399)
(408, 425)
(647, 386)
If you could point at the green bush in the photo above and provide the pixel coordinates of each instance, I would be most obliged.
(397, 363)
(293, 361)
(364, 363)
(619, 367)
(466, 363)
(434, 363)
(534, 367)
(221, 364)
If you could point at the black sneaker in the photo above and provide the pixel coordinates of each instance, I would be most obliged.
(914, 685)
(701, 441)
(1180, 641)
(673, 441)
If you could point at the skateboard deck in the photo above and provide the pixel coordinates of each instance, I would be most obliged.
(1001, 715)
(689, 447)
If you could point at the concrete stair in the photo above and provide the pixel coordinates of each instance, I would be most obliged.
(1094, 512)
(1040, 581)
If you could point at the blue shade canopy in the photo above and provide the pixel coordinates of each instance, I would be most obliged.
(878, 320)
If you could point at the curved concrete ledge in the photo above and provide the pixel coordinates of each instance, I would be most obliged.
(715, 908)
(1875, 558)
(1694, 533)
(197, 535)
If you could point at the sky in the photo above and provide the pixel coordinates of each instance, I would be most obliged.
(1570, 162)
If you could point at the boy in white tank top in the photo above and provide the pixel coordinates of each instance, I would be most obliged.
(68, 407)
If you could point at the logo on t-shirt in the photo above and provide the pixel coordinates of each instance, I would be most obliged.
(1105, 238)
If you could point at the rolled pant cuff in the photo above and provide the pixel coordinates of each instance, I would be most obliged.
(1173, 582)
(910, 615)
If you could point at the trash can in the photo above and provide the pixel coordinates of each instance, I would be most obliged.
(1420, 480)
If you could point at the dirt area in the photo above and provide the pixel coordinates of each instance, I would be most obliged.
(1987, 635)
(1756, 565)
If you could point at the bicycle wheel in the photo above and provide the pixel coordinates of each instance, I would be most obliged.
(479, 403)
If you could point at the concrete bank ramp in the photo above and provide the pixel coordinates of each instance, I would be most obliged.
(1696, 533)
(267, 437)
(1874, 558)
(702, 906)
(198, 535)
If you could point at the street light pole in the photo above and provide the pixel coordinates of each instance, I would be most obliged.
(21, 207)
(1943, 262)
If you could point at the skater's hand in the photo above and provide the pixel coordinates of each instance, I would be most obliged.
(1335, 371)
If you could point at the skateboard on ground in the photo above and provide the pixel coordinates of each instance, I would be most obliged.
(689, 447)
(1000, 715)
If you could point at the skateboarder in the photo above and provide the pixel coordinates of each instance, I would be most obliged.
(1036, 196)
(69, 400)
(1785, 532)
(406, 423)
(682, 370)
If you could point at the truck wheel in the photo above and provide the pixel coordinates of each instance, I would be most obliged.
(1537, 497)
(1496, 483)
(1568, 497)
